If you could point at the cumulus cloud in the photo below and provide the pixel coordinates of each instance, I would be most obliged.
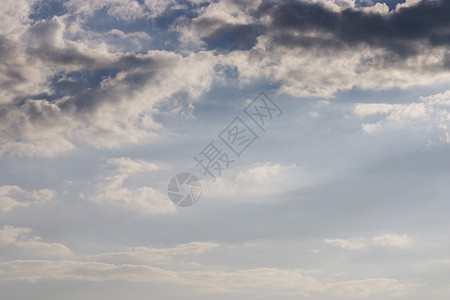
(429, 115)
(68, 89)
(67, 84)
(316, 48)
(220, 25)
(395, 32)
(12, 196)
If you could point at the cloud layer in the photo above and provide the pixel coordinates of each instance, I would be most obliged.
(344, 196)
(66, 84)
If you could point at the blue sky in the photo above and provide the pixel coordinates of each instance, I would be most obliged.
(342, 196)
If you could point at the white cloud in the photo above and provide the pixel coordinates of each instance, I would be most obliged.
(211, 18)
(392, 240)
(280, 281)
(388, 240)
(126, 165)
(370, 287)
(120, 109)
(251, 280)
(367, 109)
(302, 73)
(31, 245)
(306, 69)
(261, 180)
(12, 196)
(137, 264)
(14, 17)
(407, 3)
(112, 189)
(378, 8)
(395, 112)
(346, 244)
(144, 255)
(334, 5)
(144, 199)
(47, 55)
(431, 116)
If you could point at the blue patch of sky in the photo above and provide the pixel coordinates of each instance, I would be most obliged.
(392, 95)
(72, 82)
(102, 22)
(47, 9)
(68, 84)
(157, 28)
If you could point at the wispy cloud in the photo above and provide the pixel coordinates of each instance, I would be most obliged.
(111, 189)
(388, 240)
(12, 196)
(20, 239)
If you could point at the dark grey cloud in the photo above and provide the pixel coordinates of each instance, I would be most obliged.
(137, 73)
(232, 37)
(398, 32)
(83, 84)
(79, 81)
(52, 84)
(13, 73)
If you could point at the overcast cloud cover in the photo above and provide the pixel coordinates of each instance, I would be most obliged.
(344, 196)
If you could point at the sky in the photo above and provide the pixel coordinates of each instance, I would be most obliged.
(329, 122)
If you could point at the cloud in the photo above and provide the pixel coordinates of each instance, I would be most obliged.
(220, 26)
(68, 84)
(137, 264)
(112, 188)
(369, 287)
(429, 116)
(396, 32)
(145, 255)
(64, 87)
(121, 11)
(388, 240)
(261, 182)
(144, 199)
(316, 48)
(126, 165)
(407, 3)
(346, 244)
(392, 240)
(12, 196)
(272, 280)
(27, 245)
